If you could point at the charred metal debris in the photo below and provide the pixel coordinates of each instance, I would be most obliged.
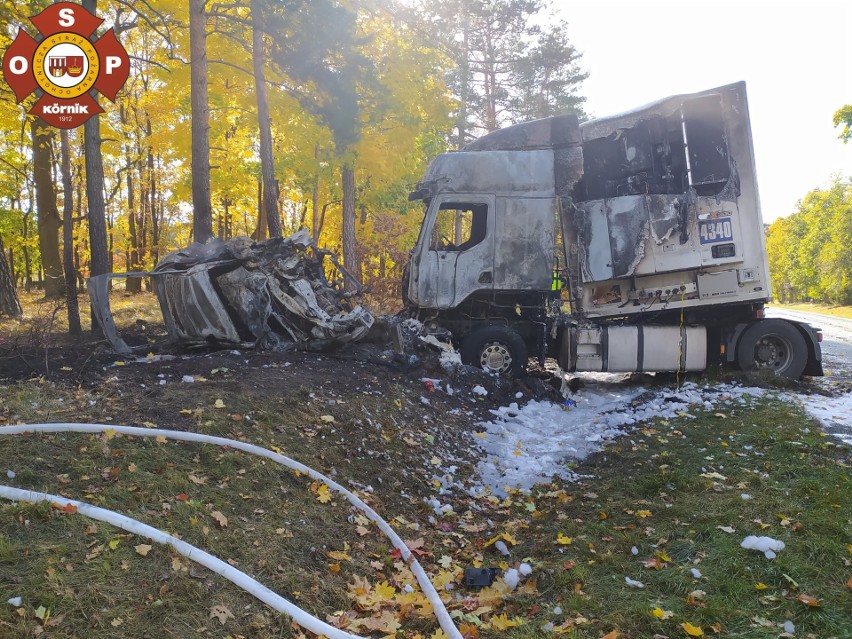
(240, 293)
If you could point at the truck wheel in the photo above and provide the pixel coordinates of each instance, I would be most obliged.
(495, 349)
(774, 345)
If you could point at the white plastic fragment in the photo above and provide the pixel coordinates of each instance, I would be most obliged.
(633, 582)
(745, 496)
(525, 569)
(15, 601)
(767, 545)
(695, 573)
(10, 474)
(188, 379)
(557, 610)
(634, 551)
(501, 548)
(479, 390)
(789, 627)
(511, 577)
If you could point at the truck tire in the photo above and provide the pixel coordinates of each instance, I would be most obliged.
(495, 349)
(775, 345)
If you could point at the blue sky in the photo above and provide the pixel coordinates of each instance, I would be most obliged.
(796, 59)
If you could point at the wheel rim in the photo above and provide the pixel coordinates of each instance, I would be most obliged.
(773, 352)
(495, 357)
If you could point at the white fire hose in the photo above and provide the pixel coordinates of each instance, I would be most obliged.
(239, 578)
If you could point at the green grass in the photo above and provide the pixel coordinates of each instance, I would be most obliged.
(666, 490)
(820, 309)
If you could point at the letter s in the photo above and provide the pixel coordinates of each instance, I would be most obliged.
(66, 17)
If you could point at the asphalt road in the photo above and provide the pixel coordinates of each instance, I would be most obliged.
(836, 341)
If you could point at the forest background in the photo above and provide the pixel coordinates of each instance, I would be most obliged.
(262, 117)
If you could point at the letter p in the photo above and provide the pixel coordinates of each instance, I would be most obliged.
(112, 63)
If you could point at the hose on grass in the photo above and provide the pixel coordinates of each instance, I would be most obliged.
(303, 618)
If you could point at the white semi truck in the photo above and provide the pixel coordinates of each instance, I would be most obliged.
(628, 243)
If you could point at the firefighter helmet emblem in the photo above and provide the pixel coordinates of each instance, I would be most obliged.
(66, 65)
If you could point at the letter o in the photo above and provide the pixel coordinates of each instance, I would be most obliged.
(19, 65)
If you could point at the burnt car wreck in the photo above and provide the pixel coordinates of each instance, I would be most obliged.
(240, 293)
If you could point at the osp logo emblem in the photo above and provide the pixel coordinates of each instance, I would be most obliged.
(65, 66)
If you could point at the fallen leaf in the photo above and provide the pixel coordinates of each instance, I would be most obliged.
(692, 631)
(563, 540)
(142, 549)
(220, 519)
(338, 555)
(726, 529)
(221, 613)
(113, 544)
(182, 497)
(659, 613)
(323, 496)
(115, 623)
(760, 586)
(198, 481)
(644, 514)
(813, 602)
(502, 622)
(69, 509)
(328, 419)
(42, 613)
(219, 404)
(611, 635)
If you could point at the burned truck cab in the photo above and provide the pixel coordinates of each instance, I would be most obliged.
(628, 243)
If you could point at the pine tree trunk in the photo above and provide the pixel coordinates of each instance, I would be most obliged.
(260, 231)
(267, 167)
(100, 261)
(9, 303)
(48, 214)
(74, 327)
(315, 197)
(202, 211)
(350, 250)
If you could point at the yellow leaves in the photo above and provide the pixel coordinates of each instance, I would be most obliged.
(219, 404)
(339, 555)
(321, 491)
(327, 419)
(142, 549)
(760, 586)
(504, 536)
(659, 613)
(643, 514)
(219, 519)
(611, 635)
(563, 540)
(443, 578)
(692, 631)
(502, 622)
(160, 439)
(383, 591)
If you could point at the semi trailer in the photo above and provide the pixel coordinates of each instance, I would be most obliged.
(621, 244)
